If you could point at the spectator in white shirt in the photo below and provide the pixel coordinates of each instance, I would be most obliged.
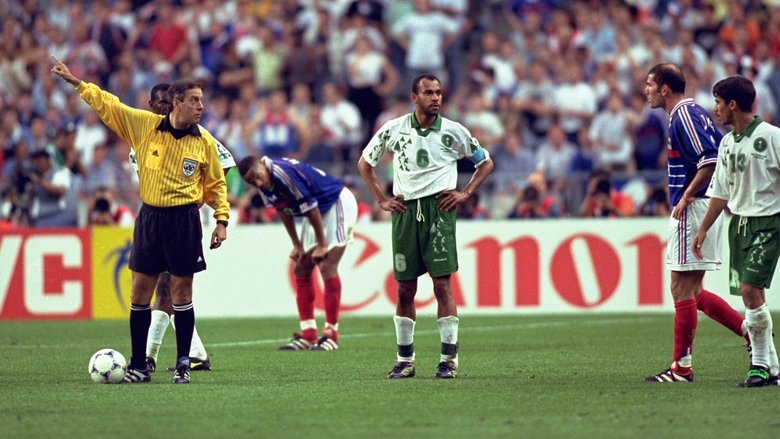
(425, 35)
(611, 137)
(342, 118)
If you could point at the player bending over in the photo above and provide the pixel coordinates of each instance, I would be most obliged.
(329, 213)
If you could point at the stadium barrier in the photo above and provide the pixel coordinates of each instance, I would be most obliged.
(506, 267)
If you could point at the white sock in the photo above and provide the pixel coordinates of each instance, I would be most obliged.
(157, 329)
(760, 330)
(774, 366)
(308, 324)
(404, 335)
(197, 350)
(448, 330)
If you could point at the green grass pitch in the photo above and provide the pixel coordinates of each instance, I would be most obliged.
(520, 376)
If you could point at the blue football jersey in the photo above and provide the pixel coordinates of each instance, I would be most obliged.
(693, 144)
(299, 187)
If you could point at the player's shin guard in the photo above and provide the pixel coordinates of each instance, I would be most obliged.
(140, 319)
(185, 324)
(332, 304)
(404, 335)
(686, 318)
(304, 298)
(760, 329)
(157, 328)
(448, 331)
(719, 310)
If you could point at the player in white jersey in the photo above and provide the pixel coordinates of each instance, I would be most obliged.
(425, 147)
(162, 309)
(747, 181)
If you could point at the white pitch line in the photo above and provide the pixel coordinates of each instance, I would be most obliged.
(375, 334)
(436, 331)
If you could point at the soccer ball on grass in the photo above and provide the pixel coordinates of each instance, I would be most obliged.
(107, 366)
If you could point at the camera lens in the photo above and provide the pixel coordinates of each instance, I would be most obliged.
(102, 205)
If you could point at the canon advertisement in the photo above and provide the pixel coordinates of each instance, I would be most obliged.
(506, 267)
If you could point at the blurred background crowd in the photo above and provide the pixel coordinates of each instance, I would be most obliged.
(552, 88)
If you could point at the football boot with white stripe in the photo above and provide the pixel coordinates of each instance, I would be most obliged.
(137, 375)
(671, 375)
(298, 343)
(325, 344)
(182, 375)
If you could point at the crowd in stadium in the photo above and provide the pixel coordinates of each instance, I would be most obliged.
(553, 89)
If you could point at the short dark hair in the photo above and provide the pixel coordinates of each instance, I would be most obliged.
(246, 163)
(738, 89)
(416, 82)
(179, 88)
(670, 75)
(159, 88)
(40, 153)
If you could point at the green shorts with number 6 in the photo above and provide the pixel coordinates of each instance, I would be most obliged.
(754, 247)
(424, 240)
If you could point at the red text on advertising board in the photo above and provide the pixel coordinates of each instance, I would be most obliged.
(45, 274)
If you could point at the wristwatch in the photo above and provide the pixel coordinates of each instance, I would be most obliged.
(223, 222)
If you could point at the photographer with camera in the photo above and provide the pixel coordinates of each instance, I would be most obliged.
(657, 203)
(17, 186)
(535, 201)
(106, 211)
(50, 186)
(603, 200)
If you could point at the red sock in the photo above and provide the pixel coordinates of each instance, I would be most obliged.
(332, 300)
(686, 318)
(304, 297)
(720, 311)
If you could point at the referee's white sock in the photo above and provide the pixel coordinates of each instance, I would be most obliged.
(157, 328)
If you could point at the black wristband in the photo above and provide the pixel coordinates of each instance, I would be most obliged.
(223, 222)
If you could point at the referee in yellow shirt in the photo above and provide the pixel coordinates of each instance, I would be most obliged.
(178, 169)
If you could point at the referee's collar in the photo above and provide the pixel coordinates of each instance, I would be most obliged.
(166, 125)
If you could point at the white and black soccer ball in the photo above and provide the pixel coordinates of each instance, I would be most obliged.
(107, 366)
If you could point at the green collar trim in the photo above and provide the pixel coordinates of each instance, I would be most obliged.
(424, 132)
(748, 131)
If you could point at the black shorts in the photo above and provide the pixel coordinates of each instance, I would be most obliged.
(168, 239)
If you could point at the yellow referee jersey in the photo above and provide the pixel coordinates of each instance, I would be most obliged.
(175, 167)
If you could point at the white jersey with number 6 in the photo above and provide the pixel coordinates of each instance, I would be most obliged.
(424, 160)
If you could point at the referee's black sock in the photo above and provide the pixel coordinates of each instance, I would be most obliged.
(185, 325)
(140, 319)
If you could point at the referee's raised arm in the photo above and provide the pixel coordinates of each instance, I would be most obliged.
(127, 122)
(178, 169)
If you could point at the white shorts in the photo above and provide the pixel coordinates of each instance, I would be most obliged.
(679, 243)
(338, 222)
